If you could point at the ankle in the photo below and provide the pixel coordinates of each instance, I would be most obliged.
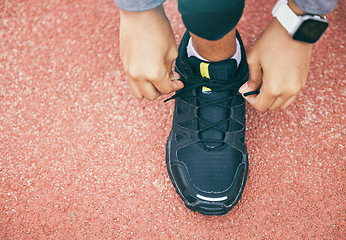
(191, 52)
(218, 50)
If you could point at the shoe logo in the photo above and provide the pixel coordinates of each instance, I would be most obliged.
(204, 68)
(206, 90)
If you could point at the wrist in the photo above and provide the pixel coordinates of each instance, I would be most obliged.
(294, 7)
(151, 13)
(302, 27)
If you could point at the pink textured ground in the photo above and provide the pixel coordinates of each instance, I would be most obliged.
(80, 158)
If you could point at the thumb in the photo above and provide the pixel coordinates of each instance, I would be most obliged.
(254, 83)
(176, 83)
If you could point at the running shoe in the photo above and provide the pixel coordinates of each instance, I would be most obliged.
(206, 155)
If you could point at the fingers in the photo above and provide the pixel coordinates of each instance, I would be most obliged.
(271, 99)
(261, 102)
(153, 87)
(288, 102)
(254, 84)
(135, 90)
(268, 100)
(143, 89)
(167, 83)
(282, 102)
(176, 83)
(275, 90)
(152, 79)
(148, 58)
(255, 80)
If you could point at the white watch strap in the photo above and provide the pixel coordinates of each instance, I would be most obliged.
(287, 18)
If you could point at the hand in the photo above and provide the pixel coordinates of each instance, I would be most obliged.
(278, 66)
(148, 50)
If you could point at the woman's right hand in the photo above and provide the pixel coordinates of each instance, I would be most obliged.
(148, 50)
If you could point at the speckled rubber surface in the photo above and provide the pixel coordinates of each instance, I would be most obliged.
(80, 158)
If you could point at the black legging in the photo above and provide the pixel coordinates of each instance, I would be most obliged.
(210, 19)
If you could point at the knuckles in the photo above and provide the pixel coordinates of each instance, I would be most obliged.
(152, 97)
(143, 75)
(286, 91)
(260, 108)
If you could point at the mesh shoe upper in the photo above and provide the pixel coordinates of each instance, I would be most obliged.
(208, 124)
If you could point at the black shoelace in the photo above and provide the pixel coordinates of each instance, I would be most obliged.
(215, 85)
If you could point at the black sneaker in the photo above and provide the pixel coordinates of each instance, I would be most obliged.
(206, 153)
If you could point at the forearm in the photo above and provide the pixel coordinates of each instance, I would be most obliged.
(138, 5)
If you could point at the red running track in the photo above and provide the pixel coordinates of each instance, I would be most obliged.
(80, 158)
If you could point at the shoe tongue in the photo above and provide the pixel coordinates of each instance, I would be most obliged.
(224, 70)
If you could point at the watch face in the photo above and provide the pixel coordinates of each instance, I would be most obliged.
(310, 30)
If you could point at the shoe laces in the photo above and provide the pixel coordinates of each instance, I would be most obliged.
(216, 85)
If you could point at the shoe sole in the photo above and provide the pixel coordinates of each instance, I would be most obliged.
(204, 211)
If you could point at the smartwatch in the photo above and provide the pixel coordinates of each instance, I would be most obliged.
(305, 28)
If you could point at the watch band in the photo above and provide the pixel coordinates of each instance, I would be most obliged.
(287, 18)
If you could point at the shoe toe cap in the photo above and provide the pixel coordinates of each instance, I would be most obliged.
(208, 203)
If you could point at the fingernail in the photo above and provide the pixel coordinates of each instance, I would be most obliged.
(176, 76)
(178, 84)
(243, 88)
(181, 84)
